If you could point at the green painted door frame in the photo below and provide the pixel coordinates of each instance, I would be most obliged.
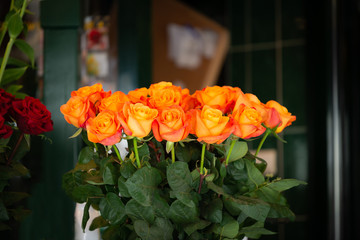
(52, 211)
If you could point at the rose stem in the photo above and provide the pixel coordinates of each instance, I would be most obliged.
(136, 152)
(117, 152)
(202, 159)
(230, 150)
(267, 132)
(15, 148)
(96, 148)
(173, 154)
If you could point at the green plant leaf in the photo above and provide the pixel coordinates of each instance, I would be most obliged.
(255, 176)
(83, 192)
(13, 89)
(192, 227)
(117, 232)
(228, 228)
(25, 48)
(180, 213)
(213, 211)
(255, 231)
(15, 25)
(3, 212)
(14, 62)
(98, 222)
(110, 174)
(19, 213)
(11, 198)
(12, 74)
(285, 184)
(127, 169)
(77, 133)
(281, 211)
(86, 216)
(161, 229)
(142, 185)
(180, 181)
(20, 169)
(144, 153)
(140, 212)
(86, 155)
(122, 187)
(112, 208)
(240, 149)
(160, 207)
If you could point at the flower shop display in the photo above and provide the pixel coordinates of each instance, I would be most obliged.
(188, 173)
(20, 117)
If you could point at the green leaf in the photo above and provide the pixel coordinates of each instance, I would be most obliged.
(127, 169)
(3, 212)
(192, 227)
(255, 231)
(14, 62)
(83, 192)
(26, 48)
(77, 133)
(112, 208)
(20, 169)
(182, 153)
(12, 74)
(122, 187)
(285, 184)
(86, 216)
(161, 229)
(228, 228)
(11, 198)
(213, 211)
(142, 185)
(180, 213)
(160, 207)
(239, 151)
(281, 211)
(19, 213)
(15, 25)
(98, 222)
(140, 212)
(13, 88)
(116, 232)
(86, 155)
(255, 176)
(110, 174)
(144, 153)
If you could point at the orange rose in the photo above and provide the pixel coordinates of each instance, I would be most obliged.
(77, 111)
(158, 86)
(137, 119)
(105, 128)
(285, 116)
(115, 102)
(139, 95)
(95, 93)
(171, 125)
(217, 97)
(165, 97)
(247, 122)
(210, 125)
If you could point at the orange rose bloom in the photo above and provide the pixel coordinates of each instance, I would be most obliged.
(285, 116)
(137, 119)
(139, 95)
(217, 97)
(105, 128)
(165, 97)
(247, 122)
(95, 93)
(210, 125)
(114, 103)
(77, 111)
(158, 86)
(171, 125)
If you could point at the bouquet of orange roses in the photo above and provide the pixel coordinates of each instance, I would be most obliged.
(187, 174)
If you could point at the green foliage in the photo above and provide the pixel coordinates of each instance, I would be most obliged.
(164, 200)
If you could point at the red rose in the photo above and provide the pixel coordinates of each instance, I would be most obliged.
(31, 116)
(5, 101)
(5, 130)
(94, 36)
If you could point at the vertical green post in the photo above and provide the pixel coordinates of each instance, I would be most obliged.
(52, 211)
(134, 44)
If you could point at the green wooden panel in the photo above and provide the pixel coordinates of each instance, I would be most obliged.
(53, 211)
(134, 44)
(64, 13)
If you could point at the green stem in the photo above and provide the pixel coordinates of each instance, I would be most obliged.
(117, 152)
(136, 152)
(6, 57)
(173, 154)
(267, 132)
(96, 148)
(202, 159)
(23, 8)
(230, 150)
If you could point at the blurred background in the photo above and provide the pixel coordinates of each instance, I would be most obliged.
(301, 53)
